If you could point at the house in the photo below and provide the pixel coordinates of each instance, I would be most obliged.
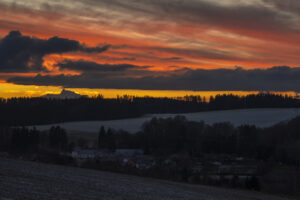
(129, 152)
(198, 167)
(87, 154)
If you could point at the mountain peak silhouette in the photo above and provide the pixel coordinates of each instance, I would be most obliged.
(64, 94)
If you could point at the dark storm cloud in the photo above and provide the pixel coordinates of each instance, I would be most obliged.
(272, 79)
(86, 66)
(19, 53)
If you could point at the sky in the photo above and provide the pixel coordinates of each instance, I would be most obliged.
(185, 45)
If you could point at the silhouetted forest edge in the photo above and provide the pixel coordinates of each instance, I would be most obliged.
(36, 111)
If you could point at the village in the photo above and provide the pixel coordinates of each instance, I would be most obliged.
(210, 169)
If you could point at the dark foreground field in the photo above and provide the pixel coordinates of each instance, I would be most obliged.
(28, 180)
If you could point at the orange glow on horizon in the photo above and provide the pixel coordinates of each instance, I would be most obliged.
(8, 90)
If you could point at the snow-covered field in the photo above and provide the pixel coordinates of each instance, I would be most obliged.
(258, 117)
(20, 180)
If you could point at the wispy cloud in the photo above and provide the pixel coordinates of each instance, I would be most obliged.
(257, 33)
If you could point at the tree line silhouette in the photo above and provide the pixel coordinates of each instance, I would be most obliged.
(279, 143)
(44, 146)
(163, 137)
(34, 111)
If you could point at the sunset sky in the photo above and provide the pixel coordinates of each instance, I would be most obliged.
(186, 45)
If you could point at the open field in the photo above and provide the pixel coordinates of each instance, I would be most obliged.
(258, 117)
(22, 180)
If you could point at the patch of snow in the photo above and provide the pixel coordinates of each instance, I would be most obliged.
(258, 117)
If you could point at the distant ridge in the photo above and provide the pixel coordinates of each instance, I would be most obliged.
(65, 94)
